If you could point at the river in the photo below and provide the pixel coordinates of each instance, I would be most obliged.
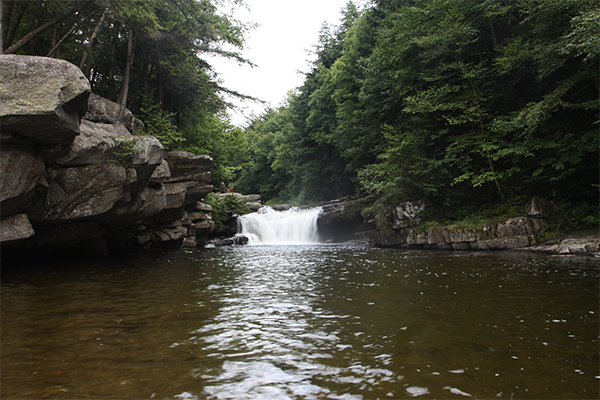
(314, 321)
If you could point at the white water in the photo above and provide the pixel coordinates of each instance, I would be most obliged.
(268, 226)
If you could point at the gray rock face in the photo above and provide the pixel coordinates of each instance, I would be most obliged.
(98, 143)
(42, 99)
(147, 154)
(538, 208)
(149, 202)
(186, 166)
(175, 194)
(15, 227)
(81, 192)
(66, 180)
(106, 111)
(511, 233)
(161, 173)
(20, 170)
(405, 214)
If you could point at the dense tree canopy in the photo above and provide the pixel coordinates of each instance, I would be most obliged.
(458, 103)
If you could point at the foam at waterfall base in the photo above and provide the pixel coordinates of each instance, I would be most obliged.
(267, 226)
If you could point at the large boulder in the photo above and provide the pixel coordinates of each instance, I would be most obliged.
(101, 143)
(106, 111)
(175, 194)
(405, 214)
(42, 99)
(80, 192)
(147, 154)
(196, 191)
(15, 227)
(149, 202)
(161, 173)
(98, 143)
(186, 166)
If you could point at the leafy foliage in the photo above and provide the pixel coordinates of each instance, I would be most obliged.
(459, 103)
(224, 207)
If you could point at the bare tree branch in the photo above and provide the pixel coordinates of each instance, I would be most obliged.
(11, 34)
(93, 39)
(34, 33)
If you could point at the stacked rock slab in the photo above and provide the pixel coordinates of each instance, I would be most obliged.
(184, 218)
(71, 173)
(509, 233)
(515, 233)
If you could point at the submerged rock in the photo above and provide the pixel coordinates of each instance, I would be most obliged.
(236, 240)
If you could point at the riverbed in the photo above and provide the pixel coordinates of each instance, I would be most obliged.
(318, 321)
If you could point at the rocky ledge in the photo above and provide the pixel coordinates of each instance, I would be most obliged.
(515, 233)
(74, 178)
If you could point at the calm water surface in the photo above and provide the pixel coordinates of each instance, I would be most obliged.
(303, 322)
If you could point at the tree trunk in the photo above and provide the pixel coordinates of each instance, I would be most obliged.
(160, 95)
(125, 87)
(141, 80)
(34, 24)
(56, 46)
(13, 30)
(92, 42)
(113, 50)
(2, 23)
(37, 31)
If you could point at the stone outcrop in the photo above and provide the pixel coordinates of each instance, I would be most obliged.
(510, 233)
(339, 221)
(515, 233)
(405, 214)
(15, 228)
(41, 99)
(235, 240)
(71, 173)
(106, 111)
(583, 242)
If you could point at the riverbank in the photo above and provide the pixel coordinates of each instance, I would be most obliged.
(585, 242)
(539, 227)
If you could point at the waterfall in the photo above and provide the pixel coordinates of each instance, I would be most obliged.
(268, 226)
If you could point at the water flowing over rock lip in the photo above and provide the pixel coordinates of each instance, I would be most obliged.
(270, 227)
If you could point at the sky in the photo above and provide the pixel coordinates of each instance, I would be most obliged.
(280, 47)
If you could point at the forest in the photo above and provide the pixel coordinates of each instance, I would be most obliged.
(465, 105)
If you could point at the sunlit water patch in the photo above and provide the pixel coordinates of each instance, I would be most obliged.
(303, 322)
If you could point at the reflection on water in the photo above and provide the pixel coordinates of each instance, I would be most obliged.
(303, 322)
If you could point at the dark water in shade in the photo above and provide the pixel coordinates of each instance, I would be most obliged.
(303, 322)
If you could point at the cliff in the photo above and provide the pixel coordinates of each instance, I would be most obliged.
(73, 178)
